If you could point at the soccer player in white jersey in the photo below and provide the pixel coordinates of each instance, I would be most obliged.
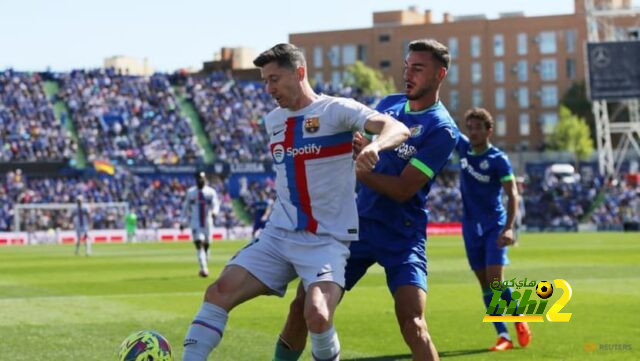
(314, 218)
(81, 219)
(202, 204)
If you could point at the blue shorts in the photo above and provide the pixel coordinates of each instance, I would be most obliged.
(258, 224)
(482, 246)
(404, 260)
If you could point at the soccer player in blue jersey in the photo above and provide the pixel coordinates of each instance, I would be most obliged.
(486, 227)
(391, 203)
(261, 211)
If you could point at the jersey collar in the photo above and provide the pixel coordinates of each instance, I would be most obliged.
(407, 109)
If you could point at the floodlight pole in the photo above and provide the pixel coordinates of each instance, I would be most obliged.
(599, 22)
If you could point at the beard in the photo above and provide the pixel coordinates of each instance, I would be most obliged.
(418, 93)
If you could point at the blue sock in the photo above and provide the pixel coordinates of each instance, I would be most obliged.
(501, 327)
(285, 353)
(506, 295)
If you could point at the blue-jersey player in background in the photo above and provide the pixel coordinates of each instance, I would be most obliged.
(486, 227)
(261, 210)
(391, 203)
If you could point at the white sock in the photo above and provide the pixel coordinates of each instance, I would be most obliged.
(505, 335)
(202, 258)
(205, 332)
(325, 346)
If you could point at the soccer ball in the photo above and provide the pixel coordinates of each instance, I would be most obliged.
(544, 289)
(145, 346)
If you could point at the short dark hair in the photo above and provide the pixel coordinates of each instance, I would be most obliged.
(437, 49)
(285, 55)
(480, 113)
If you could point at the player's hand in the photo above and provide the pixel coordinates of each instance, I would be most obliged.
(359, 142)
(506, 238)
(368, 157)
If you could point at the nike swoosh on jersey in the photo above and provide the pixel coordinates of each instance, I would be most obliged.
(278, 132)
(322, 273)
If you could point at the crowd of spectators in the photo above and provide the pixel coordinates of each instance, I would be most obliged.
(620, 208)
(157, 201)
(132, 120)
(29, 130)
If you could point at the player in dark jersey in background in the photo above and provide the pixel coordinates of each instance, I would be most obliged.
(486, 227)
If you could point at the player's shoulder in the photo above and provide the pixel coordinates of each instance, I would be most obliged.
(393, 99)
(497, 154)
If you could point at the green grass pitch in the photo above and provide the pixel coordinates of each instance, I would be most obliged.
(55, 306)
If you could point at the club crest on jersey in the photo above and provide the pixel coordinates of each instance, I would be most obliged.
(311, 125)
(484, 165)
(416, 131)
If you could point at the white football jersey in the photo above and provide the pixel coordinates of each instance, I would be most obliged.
(315, 172)
(200, 204)
(81, 216)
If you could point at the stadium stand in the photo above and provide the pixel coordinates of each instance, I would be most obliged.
(28, 127)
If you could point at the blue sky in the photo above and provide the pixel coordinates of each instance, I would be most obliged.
(66, 34)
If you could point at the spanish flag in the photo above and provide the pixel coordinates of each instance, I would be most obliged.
(104, 167)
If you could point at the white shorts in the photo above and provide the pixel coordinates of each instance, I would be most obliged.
(200, 234)
(279, 256)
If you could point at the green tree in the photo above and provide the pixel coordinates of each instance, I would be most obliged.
(368, 80)
(572, 134)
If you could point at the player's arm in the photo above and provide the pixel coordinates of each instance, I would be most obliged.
(185, 211)
(267, 211)
(400, 188)
(463, 144)
(391, 133)
(215, 205)
(507, 236)
(432, 155)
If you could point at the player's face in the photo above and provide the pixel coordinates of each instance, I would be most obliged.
(422, 74)
(200, 182)
(282, 84)
(478, 132)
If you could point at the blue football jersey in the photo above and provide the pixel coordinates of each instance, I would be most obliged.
(433, 138)
(481, 178)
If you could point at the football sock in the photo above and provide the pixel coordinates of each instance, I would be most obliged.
(325, 346)
(506, 295)
(285, 353)
(501, 327)
(202, 258)
(205, 332)
(206, 248)
(87, 246)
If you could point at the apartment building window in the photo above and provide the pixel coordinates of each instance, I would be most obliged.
(570, 37)
(548, 69)
(571, 68)
(501, 125)
(500, 98)
(454, 100)
(523, 97)
(498, 45)
(349, 54)
(453, 47)
(317, 56)
(362, 53)
(384, 38)
(475, 46)
(524, 124)
(548, 122)
(476, 98)
(453, 74)
(335, 78)
(523, 71)
(347, 78)
(547, 42)
(522, 43)
(385, 64)
(476, 73)
(334, 55)
(319, 78)
(549, 96)
(498, 71)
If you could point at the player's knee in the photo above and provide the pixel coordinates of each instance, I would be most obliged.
(297, 306)
(318, 318)
(414, 328)
(220, 293)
